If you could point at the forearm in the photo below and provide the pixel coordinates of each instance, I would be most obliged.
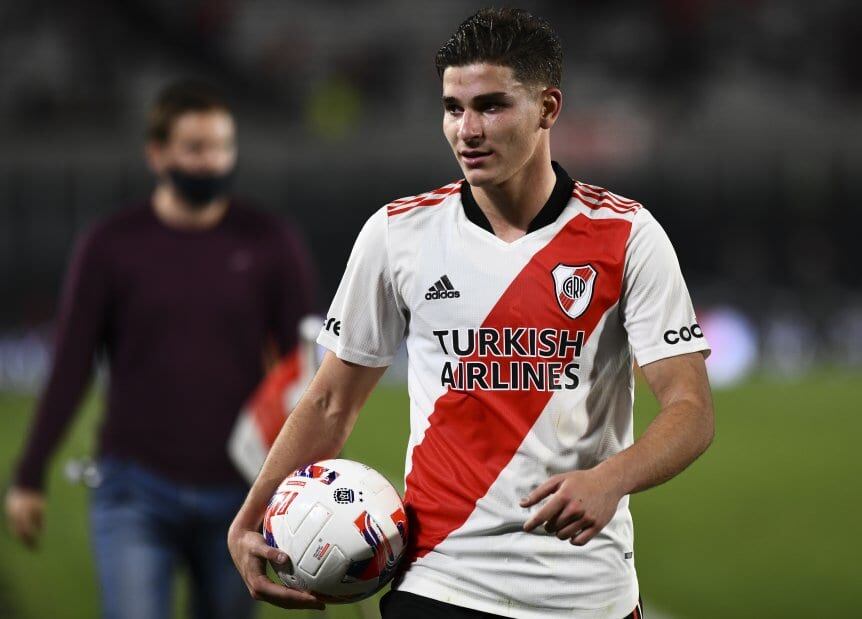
(585, 501)
(53, 416)
(316, 430)
(80, 327)
(70, 375)
(677, 436)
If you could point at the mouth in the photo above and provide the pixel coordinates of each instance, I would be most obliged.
(474, 158)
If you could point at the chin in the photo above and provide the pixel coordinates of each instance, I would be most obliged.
(479, 177)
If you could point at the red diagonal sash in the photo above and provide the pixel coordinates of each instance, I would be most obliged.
(473, 435)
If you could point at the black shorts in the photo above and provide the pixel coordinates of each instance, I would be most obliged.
(404, 605)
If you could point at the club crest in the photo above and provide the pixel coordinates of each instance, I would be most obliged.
(574, 287)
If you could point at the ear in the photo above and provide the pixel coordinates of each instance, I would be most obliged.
(155, 156)
(552, 104)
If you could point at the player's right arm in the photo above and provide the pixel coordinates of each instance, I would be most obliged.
(316, 430)
(363, 330)
(80, 327)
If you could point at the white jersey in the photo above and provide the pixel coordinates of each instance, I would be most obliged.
(520, 368)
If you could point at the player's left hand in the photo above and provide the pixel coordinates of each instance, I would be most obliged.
(581, 503)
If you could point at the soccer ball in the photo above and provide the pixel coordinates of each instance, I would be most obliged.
(343, 527)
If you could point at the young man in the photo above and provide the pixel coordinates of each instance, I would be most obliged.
(521, 295)
(183, 292)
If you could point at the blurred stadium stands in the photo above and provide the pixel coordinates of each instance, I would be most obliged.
(738, 123)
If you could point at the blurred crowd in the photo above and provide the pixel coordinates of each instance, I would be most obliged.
(736, 122)
(663, 64)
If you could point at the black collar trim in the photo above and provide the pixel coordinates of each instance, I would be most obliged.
(557, 201)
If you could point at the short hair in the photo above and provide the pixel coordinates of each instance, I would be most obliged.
(510, 38)
(178, 98)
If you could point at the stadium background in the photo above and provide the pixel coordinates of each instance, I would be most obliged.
(737, 123)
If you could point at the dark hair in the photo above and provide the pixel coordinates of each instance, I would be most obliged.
(179, 98)
(510, 38)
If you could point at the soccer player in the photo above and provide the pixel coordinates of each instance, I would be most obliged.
(184, 293)
(523, 297)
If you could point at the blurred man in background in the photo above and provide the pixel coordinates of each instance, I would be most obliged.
(184, 293)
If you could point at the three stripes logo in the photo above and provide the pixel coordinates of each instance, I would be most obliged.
(442, 289)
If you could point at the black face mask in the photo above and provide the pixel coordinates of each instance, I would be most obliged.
(198, 190)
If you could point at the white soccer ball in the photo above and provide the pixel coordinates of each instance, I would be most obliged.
(343, 527)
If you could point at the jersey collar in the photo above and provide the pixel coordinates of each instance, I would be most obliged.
(557, 201)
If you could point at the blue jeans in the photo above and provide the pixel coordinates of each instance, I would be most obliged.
(145, 526)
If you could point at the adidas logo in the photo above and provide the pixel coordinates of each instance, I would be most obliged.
(442, 289)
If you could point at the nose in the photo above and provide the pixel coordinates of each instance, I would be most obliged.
(214, 156)
(470, 129)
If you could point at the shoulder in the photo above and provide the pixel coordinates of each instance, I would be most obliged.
(599, 203)
(273, 234)
(423, 203)
(121, 223)
(100, 241)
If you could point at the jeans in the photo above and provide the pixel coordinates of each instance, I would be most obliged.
(145, 526)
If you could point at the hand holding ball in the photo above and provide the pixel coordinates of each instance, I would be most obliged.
(343, 527)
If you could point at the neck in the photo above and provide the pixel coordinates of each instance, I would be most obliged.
(172, 210)
(513, 204)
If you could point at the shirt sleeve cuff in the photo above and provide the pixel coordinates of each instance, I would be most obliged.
(344, 353)
(656, 353)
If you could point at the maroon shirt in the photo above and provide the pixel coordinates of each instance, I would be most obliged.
(183, 317)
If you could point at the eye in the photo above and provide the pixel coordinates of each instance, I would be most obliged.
(453, 109)
(493, 107)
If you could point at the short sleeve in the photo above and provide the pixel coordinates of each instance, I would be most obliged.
(366, 321)
(656, 307)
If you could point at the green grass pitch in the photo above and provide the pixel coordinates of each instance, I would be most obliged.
(765, 524)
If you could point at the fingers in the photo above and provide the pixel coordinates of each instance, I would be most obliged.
(37, 520)
(35, 527)
(25, 520)
(258, 547)
(570, 513)
(549, 511)
(258, 552)
(547, 488)
(578, 507)
(573, 529)
(21, 530)
(28, 534)
(255, 551)
(263, 589)
(586, 535)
